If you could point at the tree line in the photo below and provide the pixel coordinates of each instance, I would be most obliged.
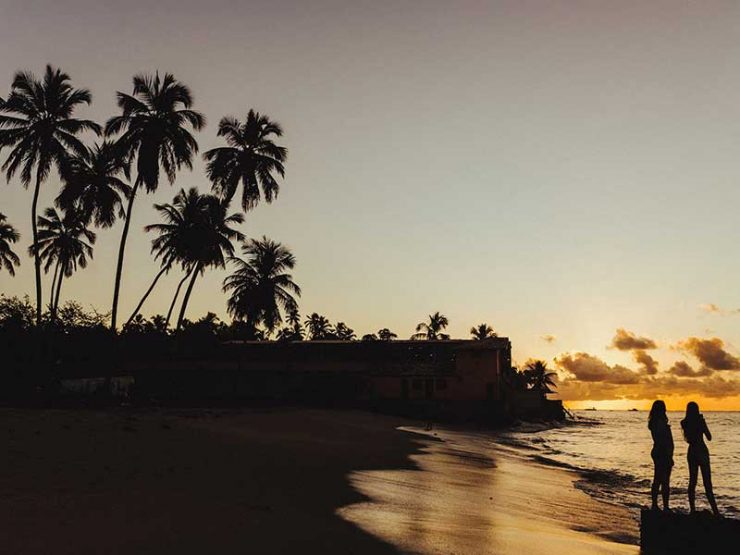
(151, 139)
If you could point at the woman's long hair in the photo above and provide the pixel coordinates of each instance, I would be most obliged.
(691, 422)
(657, 413)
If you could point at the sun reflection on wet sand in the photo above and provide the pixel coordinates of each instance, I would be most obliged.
(469, 498)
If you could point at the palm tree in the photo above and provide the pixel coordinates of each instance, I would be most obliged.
(539, 377)
(154, 130)
(197, 234)
(251, 159)
(92, 185)
(175, 240)
(432, 330)
(65, 243)
(261, 286)
(318, 327)
(482, 331)
(41, 132)
(343, 332)
(8, 235)
(386, 335)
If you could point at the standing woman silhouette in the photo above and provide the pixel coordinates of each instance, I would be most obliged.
(662, 453)
(694, 430)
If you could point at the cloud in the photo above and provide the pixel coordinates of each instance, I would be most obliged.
(627, 341)
(685, 370)
(649, 364)
(712, 308)
(548, 338)
(588, 368)
(710, 352)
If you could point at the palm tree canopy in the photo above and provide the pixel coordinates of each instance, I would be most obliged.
(432, 329)
(482, 331)
(343, 332)
(64, 240)
(196, 230)
(386, 335)
(36, 123)
(153, 127)
(251, 158)
(8, 235)
(539, 377)
(92, 184)
(261, 286)
(318, 326)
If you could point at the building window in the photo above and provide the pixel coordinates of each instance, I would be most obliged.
(441, 384)
(417, 384)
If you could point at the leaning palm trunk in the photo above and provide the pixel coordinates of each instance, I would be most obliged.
(53, 285)
(164, 269)
(185, 300)
(121, 250)
(36, 255)
(174, 299)
(55, 307)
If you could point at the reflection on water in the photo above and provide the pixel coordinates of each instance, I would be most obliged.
(461, 500)
(437, 510)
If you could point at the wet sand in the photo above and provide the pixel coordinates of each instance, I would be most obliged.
(276, 481)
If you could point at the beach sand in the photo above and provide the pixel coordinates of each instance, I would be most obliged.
(279, 481)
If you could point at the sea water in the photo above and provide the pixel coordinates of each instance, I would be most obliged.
(611, 451)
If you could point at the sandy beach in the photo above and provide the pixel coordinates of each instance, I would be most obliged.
(281, 481)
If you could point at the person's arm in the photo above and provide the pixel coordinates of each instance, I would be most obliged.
(706, 429)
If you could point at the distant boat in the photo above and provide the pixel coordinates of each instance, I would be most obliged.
(592, 408)
(633, 410)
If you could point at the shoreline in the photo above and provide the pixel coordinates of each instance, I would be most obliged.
(278, 481)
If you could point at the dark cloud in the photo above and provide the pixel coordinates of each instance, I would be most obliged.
(588, 368)
(685, 370)
(710, 352)
(648, 363)
(627, 341)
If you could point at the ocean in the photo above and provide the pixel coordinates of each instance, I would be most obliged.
(611, 452)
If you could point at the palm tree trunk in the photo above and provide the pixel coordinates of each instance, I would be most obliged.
(185, 300)
(121, 250)
(36, 256)
(56, 297)
(148, 291)
(53, 284)
(174, 300)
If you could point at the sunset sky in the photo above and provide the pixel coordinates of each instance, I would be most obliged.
(562, 170)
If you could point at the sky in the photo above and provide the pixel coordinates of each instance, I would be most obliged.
(561, 170)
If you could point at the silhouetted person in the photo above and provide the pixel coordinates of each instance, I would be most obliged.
(694, 430)
(662, 453)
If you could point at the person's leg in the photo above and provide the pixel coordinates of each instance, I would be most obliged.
(666, 488)
(706, 477)
(693, 472)
(656, 485)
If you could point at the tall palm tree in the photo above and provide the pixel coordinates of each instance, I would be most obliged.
(539, 377)
(154, 130)
(386, 335)
(318, 326)
(93, 186)
(251, 158)
(197, 234)
(432, 329)
(482, 331)
(40, 130)
(260, 287)
(8, 235)
(65, 243)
